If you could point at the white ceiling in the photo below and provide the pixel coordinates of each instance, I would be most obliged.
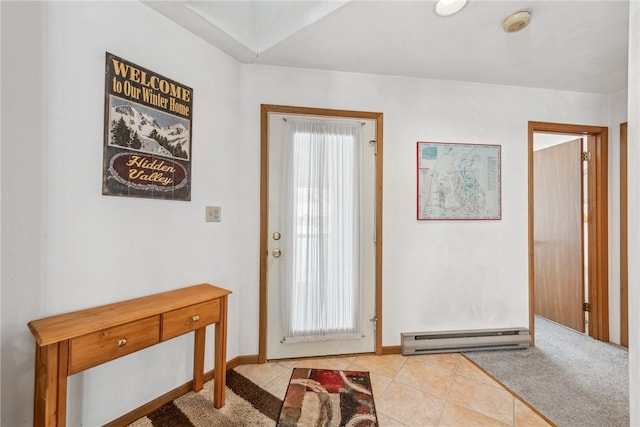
(570, 45)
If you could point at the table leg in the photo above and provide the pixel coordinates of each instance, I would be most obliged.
(220, 363)
(63, 355)
(50, 391)
(198, 359)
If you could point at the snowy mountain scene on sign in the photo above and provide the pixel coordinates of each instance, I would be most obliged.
(140, 128)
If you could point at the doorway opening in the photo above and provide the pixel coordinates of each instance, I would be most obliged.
(274, 265)
(584, 211)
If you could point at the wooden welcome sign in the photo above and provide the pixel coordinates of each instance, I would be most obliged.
(147, 133)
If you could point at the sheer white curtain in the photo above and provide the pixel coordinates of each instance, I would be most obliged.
(322, 187)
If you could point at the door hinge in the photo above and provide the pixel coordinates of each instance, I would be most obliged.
(586, 306)
(374, 323)
(374, 144)
(586, 156)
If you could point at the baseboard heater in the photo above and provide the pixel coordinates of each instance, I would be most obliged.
(469, 340)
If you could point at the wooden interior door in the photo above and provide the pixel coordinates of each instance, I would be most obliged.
(558, 234)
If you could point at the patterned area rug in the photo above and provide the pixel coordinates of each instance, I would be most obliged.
(322, 397)
(246, 404)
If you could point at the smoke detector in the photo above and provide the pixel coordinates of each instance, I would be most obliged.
(516, 21)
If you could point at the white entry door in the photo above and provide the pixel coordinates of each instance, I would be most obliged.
(321, 262)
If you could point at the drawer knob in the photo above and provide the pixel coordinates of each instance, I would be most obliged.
(122, 342)
(195, 318)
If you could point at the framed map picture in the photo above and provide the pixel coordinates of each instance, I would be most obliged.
(458, 181)
(147, 133)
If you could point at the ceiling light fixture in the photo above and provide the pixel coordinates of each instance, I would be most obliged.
(449, 7)
(516, 21)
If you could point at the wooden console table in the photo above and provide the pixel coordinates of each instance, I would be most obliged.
(72, 342)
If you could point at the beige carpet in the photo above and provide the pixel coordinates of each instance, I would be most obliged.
(572, 379)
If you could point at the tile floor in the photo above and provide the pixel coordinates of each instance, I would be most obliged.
(425, 390)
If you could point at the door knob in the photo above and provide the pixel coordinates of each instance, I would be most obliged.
(276, 253)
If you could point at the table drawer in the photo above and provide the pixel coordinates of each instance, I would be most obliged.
(102, 346)
(181, 321)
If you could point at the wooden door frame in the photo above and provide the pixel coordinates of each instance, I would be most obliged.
(624, 264)
(265, 109)
(598, 210)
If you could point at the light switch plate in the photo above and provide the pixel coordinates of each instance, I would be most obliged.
(213, 214)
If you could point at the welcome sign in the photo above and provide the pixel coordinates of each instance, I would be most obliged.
(147, 133)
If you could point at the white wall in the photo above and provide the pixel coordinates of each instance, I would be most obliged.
(22, 166)
(66, 246)
(634, 211)
(436, 275)
(0, 208)
(617, 115)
